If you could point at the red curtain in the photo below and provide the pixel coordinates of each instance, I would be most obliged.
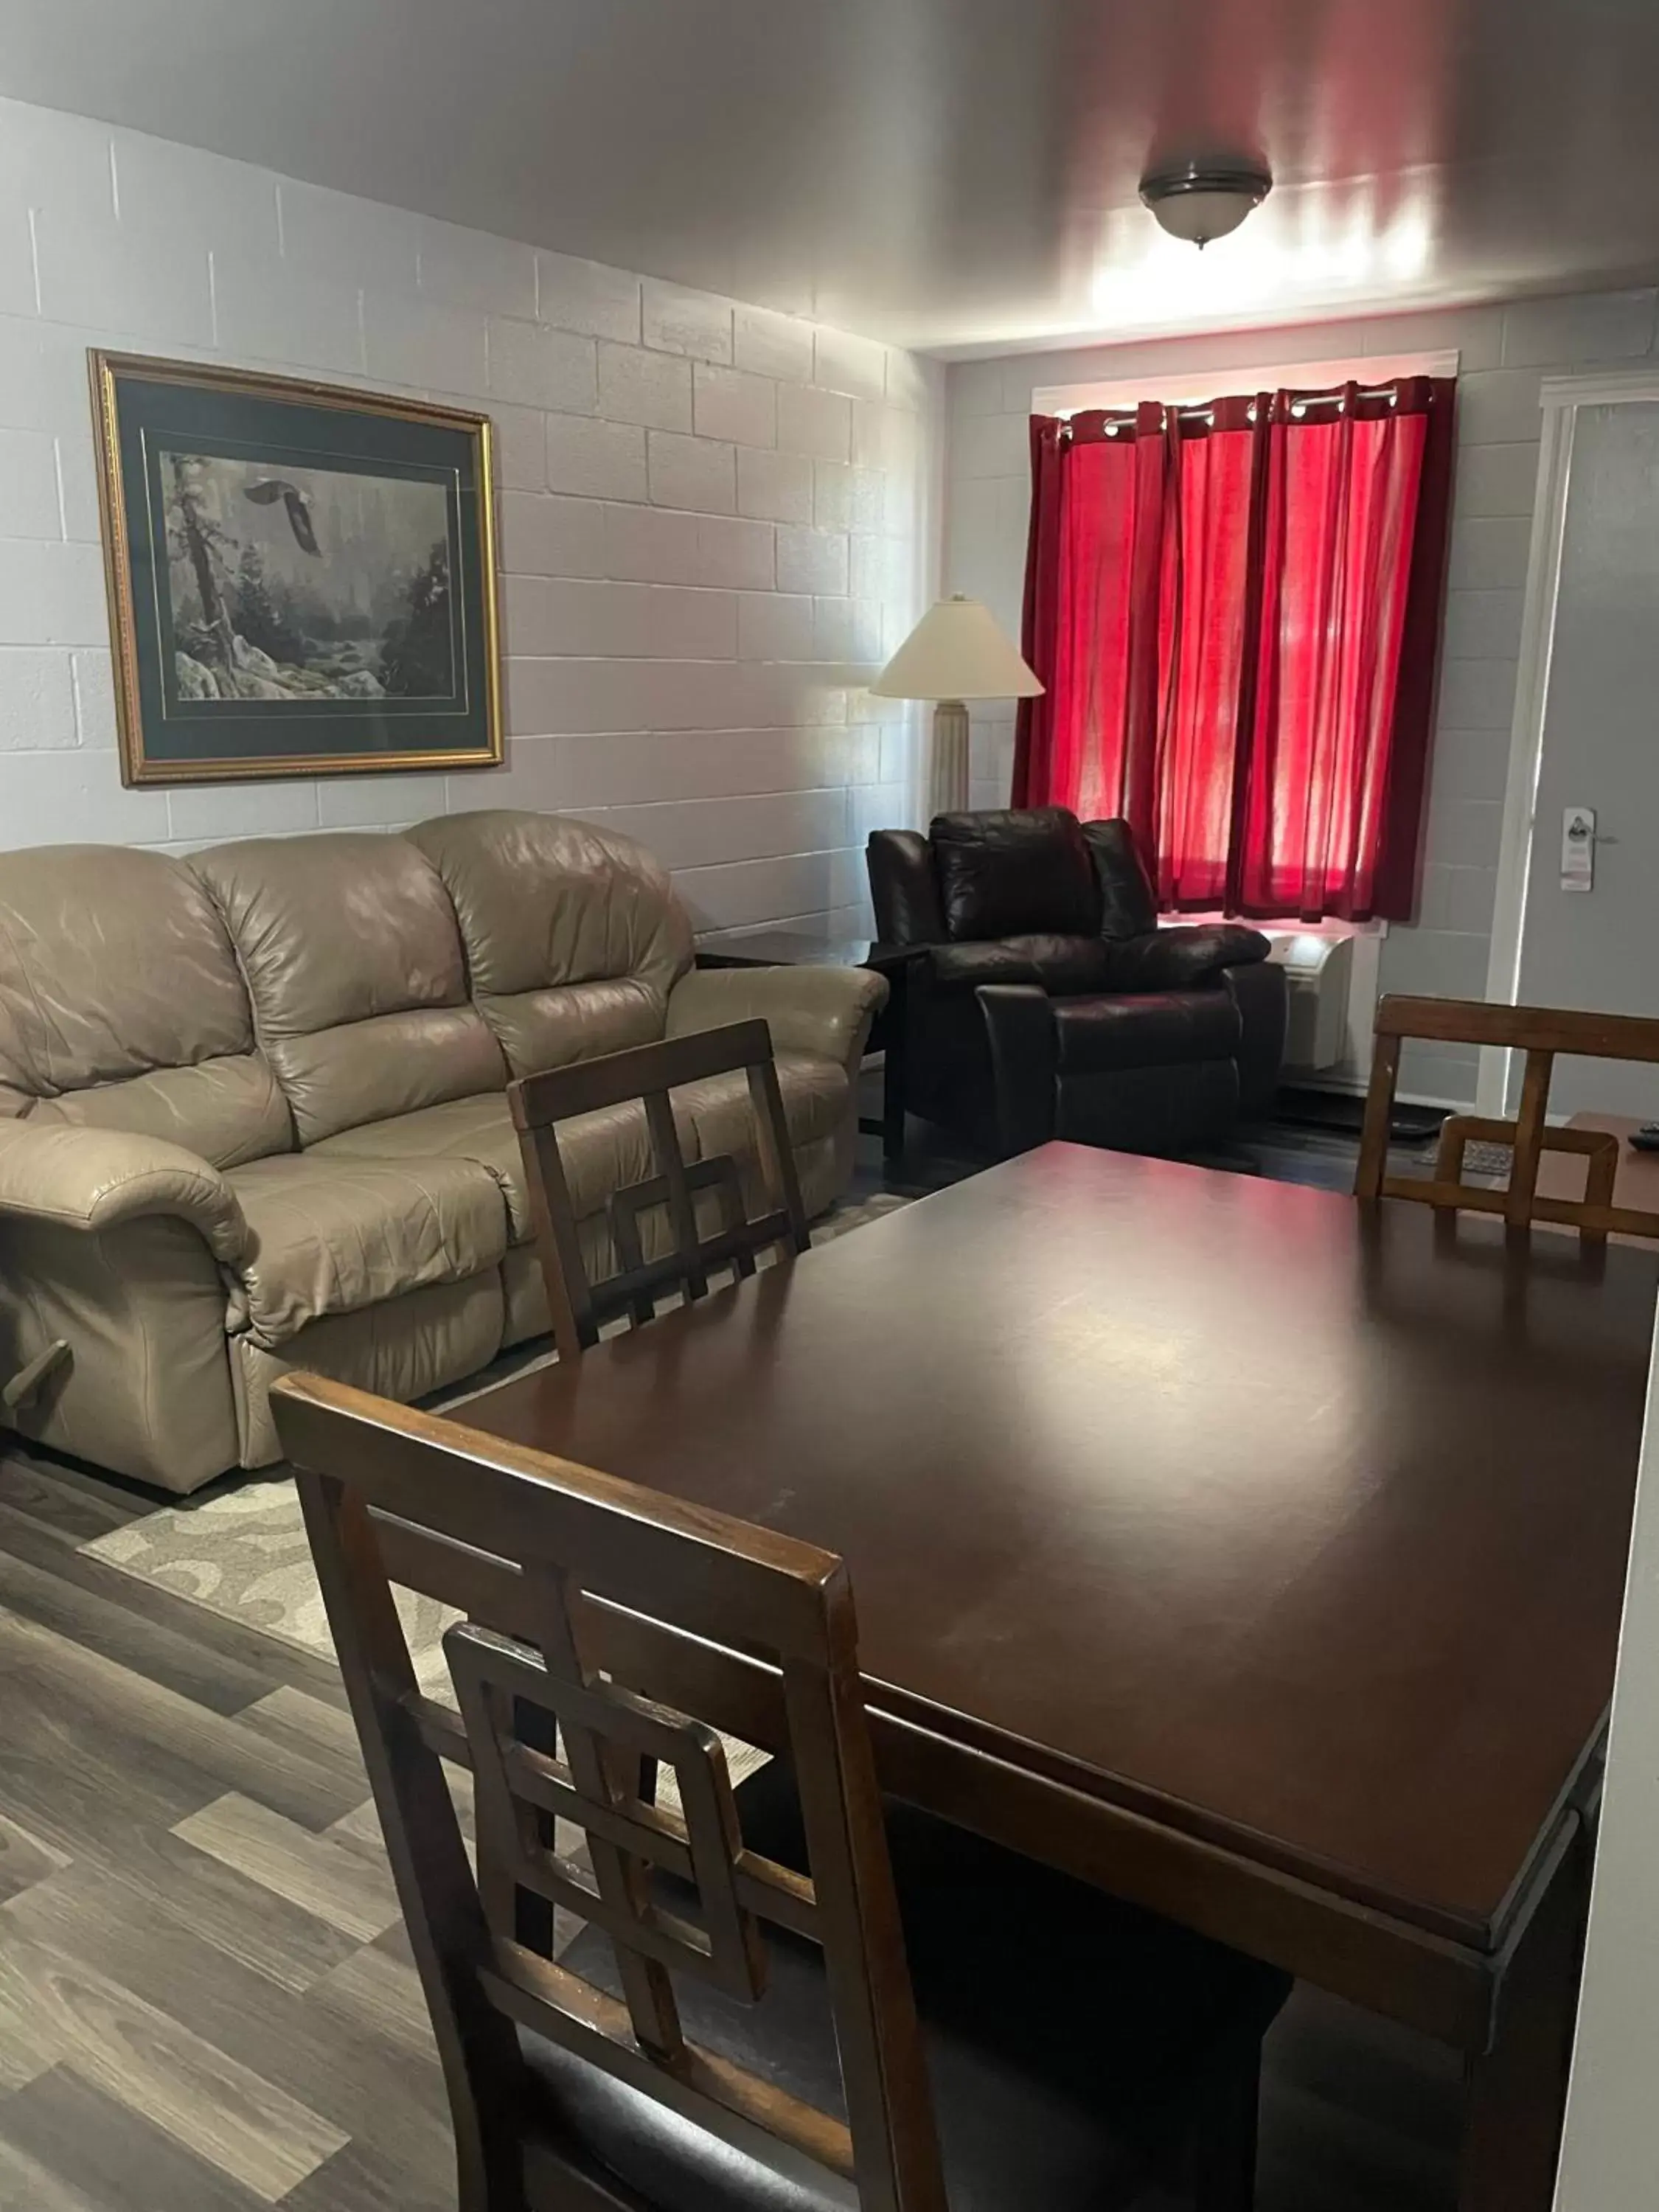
(1235, 612)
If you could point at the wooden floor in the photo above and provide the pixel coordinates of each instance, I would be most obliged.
(206, 2002)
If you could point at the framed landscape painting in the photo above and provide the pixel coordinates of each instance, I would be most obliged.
(301, 578)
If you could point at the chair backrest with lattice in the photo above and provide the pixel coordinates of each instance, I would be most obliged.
(1543, 1034)
(546, 1560)
(673, 1194)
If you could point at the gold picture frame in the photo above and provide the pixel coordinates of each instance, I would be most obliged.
(184, 450)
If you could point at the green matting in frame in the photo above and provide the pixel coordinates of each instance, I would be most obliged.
(301, 577)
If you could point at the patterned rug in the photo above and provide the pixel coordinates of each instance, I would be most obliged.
(240, 1550)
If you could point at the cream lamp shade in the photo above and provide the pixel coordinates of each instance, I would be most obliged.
(957, 652)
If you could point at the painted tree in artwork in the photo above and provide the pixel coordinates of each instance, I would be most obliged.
(259, 620)
(202, 542)
(418, 658)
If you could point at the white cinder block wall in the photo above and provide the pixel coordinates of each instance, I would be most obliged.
(1504, 353)
(715, 521)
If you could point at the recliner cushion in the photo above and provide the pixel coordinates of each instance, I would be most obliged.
(1184, 956)
(1014, 871)
(1059, 964)
(330, 1234)
(1055, 2065)
(1066, 965)
(1152, 1029)
(1128, 902)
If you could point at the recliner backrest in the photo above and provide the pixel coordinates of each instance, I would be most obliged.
(573, 936)
(1014, 871)
(354, 963)
(1128, 901)
(122, 1007)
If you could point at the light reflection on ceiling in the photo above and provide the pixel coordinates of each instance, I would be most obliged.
(953, 174)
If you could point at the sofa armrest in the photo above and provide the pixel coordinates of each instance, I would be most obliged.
(1178, 959)
(95, 1179)
(826, 1011)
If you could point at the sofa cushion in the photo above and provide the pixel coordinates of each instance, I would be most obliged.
(573, 936)
(121, 1006)
(1153, 1029)
(602, 1151)
(354, 966)
(1015, 870)
(331, 1235)
(718, 1117)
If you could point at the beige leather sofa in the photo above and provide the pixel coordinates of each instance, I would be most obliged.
(253, 1112)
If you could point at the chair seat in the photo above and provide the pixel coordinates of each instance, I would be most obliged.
(604, 1149)
(331, 1236)
(1152, 1028)
(1070, 2037)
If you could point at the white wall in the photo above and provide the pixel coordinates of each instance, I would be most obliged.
(715, 519)
(1504, 353)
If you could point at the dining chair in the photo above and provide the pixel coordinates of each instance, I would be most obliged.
(1543, 1034)
(736, 2024)
(664, 1206)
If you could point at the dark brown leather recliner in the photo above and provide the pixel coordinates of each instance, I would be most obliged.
(1049, 1002)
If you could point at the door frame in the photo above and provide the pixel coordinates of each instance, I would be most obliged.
(1560, 397)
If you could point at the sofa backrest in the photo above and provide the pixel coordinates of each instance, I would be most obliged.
(354, 963)
(573, 935)
(122, 1007)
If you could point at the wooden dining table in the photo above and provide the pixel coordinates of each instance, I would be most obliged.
(1253, 1553)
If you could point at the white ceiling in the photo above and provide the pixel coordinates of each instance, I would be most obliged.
(945, 174)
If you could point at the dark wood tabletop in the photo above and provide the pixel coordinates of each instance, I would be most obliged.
(1250, 1551)
(1297, 1525)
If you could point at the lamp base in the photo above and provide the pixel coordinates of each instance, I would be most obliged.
(947, 765)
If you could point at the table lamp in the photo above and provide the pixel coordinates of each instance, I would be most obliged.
(957, 652)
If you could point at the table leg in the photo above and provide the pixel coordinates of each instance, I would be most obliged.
(1517, 2090)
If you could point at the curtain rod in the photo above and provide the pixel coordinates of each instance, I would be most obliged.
(1335, 396)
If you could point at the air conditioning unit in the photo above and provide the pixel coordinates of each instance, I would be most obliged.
(1319, 972)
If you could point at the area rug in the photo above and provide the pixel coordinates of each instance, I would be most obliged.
(240, 1551)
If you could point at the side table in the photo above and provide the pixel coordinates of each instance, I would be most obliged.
(790, 948)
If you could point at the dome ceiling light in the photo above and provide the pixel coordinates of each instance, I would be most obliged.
(1198, 201)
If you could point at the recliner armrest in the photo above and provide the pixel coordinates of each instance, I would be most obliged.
(95, 1179)
(1176, 959)
(1020, 1019)
(904, 888)
(824, 1011)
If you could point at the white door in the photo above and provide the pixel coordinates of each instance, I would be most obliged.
(1599, 948)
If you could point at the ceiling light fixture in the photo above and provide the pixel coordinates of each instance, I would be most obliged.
(1200, 200)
